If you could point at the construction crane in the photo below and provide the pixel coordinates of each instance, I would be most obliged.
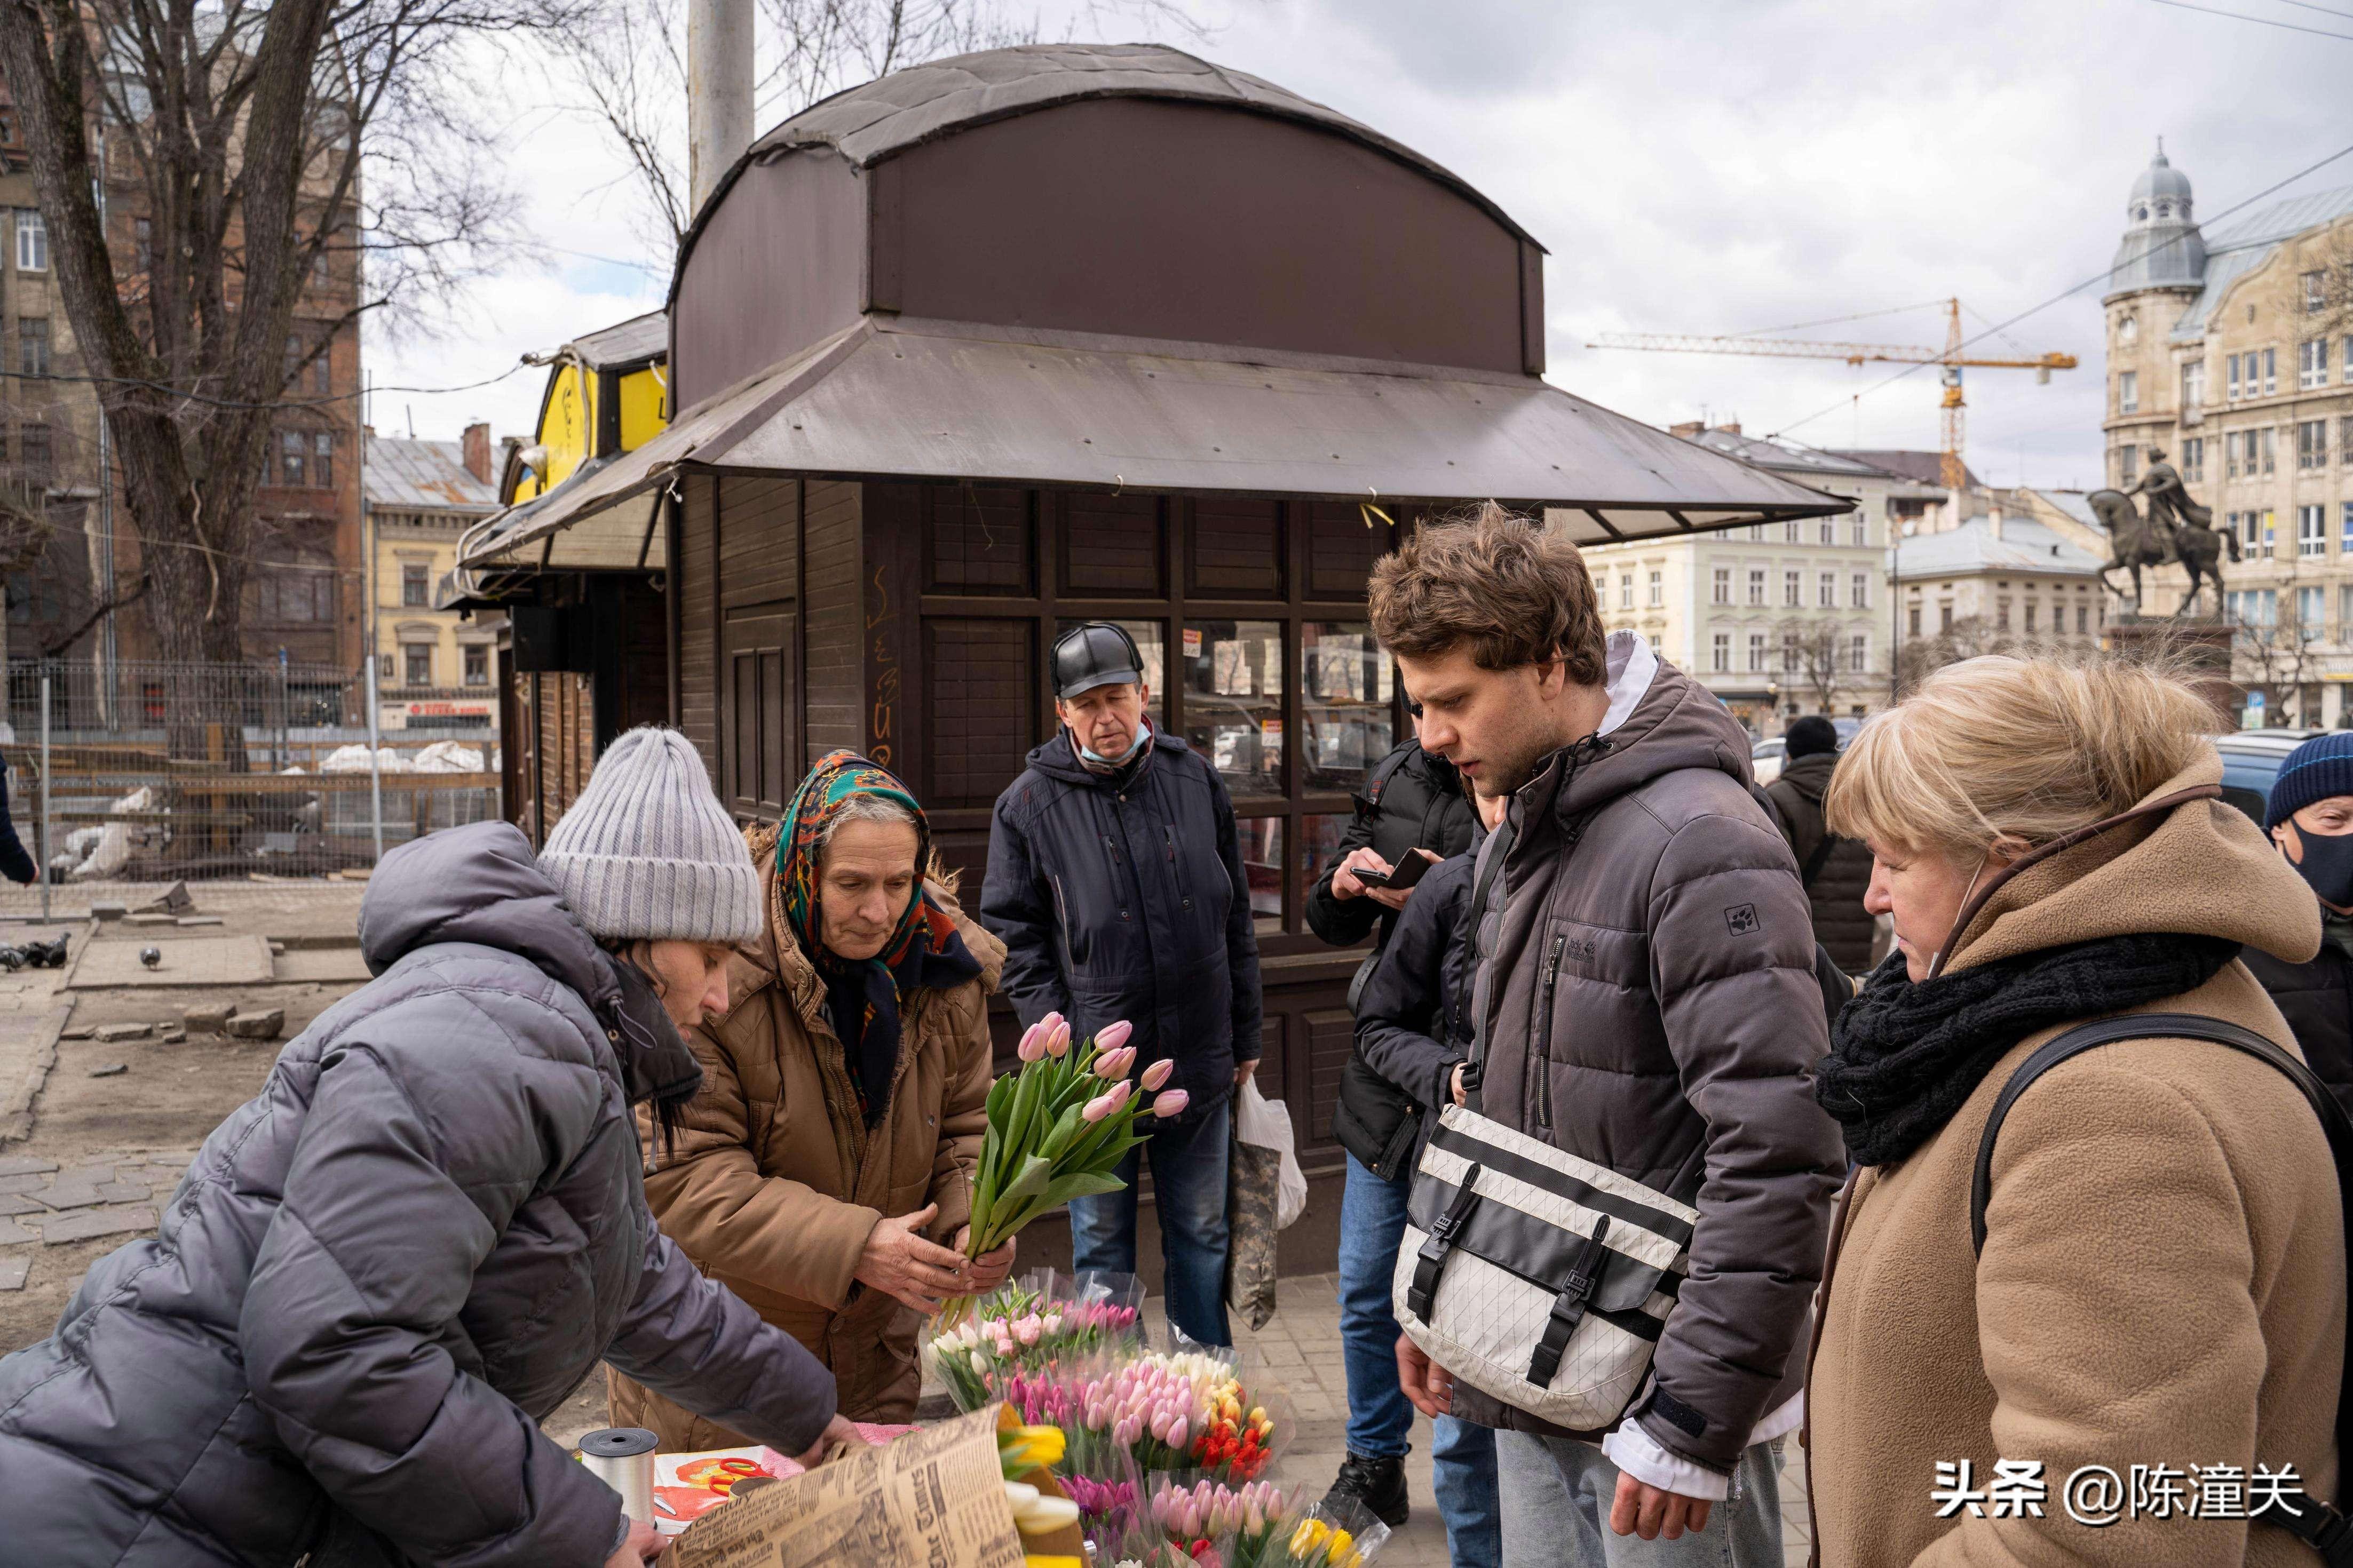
(1950, 357)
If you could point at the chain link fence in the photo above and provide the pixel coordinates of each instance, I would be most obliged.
(156, 772)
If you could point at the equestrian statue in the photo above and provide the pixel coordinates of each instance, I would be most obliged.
(2176, 529)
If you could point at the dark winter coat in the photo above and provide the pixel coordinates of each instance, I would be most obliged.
(1413, 1022)
(1123, 895)
(1647, 1000)
(15, 864)
(1413, 799)
(1842, 924)
(2316, 999)
(383, 1272)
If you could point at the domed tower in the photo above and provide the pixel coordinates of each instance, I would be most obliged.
(2159, 267)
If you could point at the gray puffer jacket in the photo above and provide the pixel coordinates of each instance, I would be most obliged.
(1646, 1000)
(383, 1272)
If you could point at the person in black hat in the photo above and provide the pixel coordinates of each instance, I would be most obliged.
(1115, 882)
(1836, 871)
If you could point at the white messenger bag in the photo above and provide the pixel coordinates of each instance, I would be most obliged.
(1535, 1276)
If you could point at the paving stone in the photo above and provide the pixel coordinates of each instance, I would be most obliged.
(12, 1271)
(24, 1166)
(27, 1183)
(154, 919)
(212, 1017)
(173, 1037)
(95, 1223)
(78, 1032)
(201, 921)
(259, 1025)
(108, 911)
(108, 1033)
(79, 1196)
(112, 1069)
(12, 1232)
(17, 1203)
(122, 1191)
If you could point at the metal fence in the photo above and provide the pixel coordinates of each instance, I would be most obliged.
(154, 772)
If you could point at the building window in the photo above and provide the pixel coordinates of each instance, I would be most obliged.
(1913, 621)
(415, 587)
(1756, 653)
(2269, 531)
(322, 370)
(322, 459)
(1944, 614)
(32, 240)
(2345, 439)
(290, 451)
(2030, 608)
(2344, 611)
(142, 242)
(2345, 361)
(2311, 612)
(2311, 530)
(1830, 531)
(2345, 531)
(1756, 588)
(1625, 590)
(1826, 591)
(1789, 653)
(1720, 586)
(2128, 392)
(1658, 590)
(33, 452)
(1793, 591)
(1858, 654)
(2315, 292)
(2271, 372)
(2271, 448)
(1859, 590)
(33, 344)
(2231, 378)
(294, 367)
(2312, 444)
(1862, 530)
(2083, 620)
(2193, 384)
(2193, 457)
(416, 664)
(477, 659)
(2001, 613)
(2127, 463)
(319, 268)
(1789, 531)
(2312, 363)
(1720, 652)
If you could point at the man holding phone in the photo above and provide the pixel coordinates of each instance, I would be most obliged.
(1411, 814)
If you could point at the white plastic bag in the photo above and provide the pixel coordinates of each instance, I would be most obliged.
(1264, 1122)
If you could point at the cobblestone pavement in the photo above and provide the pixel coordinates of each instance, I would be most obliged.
(101, 1197)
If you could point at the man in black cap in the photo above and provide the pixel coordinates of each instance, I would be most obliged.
(1115, 882)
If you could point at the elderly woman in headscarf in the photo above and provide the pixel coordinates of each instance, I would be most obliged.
(823, 1170)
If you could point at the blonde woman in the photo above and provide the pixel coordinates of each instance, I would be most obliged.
(2162, 1281)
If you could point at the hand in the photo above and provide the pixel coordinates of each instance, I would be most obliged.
(1395, 897)
(1429, 1385)
(899, 1262)
(642, 1545)
(1645, 1510)
(1243, 1071)
(1454, 1084)
(1345, 885)
(986, 1272)
(839, 1430)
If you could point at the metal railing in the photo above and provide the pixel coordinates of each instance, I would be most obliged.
(153, 771)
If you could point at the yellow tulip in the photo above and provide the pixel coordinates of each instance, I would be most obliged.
(1340, 1542)
(1030, 1560)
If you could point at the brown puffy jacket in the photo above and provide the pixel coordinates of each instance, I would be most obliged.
(776, 1181)
(2163, 1279)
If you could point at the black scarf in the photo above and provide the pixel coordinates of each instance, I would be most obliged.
(864, 1003)
(1904, 1056)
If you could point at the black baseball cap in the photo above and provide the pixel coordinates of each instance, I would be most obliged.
(1092, 654)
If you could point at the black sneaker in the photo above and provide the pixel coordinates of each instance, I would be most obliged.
(1378, 1484)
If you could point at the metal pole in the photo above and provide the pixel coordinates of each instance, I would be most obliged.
(1894, 608)
(48, 829)
(376, 763)
(718, 90)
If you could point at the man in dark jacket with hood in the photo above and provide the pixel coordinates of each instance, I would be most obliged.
(1836, 871)
(1115, 881)
(1645, 1000)
(388, 1267)
(2309, 814)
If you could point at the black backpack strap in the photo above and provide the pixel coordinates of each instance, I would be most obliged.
(1368, 799)
(2326, 1529)
(1819, 859)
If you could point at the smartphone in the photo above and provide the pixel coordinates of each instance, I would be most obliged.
(1408, 870)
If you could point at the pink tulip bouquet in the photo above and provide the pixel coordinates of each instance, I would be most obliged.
(1058, 1128)
(1041, 1324)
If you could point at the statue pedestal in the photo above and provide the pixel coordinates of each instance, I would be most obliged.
(2197, 647)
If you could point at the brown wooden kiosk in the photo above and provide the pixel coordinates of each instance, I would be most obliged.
(1065, 331)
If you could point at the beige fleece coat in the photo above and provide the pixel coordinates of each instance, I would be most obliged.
(776, 1180)
(2163, 1279)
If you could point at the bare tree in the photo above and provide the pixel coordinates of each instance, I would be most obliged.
(1965, 638)
(1815, 648)
(2284, 652)
(626, 70)
(238, 129)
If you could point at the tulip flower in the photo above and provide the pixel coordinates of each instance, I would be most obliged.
(1157, 1074)
(1058, 1043)
(1114, 1035)
(1033, 1042)
(1170, 1102)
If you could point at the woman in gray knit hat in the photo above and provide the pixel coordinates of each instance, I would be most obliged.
(382, 1273)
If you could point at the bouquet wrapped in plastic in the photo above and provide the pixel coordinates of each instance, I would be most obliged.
(1047, 1320)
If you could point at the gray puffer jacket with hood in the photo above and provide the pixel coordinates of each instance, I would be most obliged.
(1646, 1000)
(384, 1271)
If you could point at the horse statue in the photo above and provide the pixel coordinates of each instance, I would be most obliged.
(2136, 542)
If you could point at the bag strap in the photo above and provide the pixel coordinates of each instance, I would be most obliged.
(2326, 1529)
(1431, 1261)
(1369, 799)
(1819, 859)
(1568, 1307)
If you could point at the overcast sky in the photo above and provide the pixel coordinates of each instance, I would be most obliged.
(1708, 166)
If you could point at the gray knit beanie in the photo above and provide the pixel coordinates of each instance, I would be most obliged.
(646, 850)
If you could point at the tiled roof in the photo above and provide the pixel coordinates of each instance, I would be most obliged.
(2023, 546)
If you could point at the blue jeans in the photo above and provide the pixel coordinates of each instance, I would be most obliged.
(1462, 1455)
(1189, 1164)
(1560, 1492)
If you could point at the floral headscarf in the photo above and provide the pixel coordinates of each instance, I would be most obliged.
(865, 995)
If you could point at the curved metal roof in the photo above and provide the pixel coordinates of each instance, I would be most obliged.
(922, 103)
